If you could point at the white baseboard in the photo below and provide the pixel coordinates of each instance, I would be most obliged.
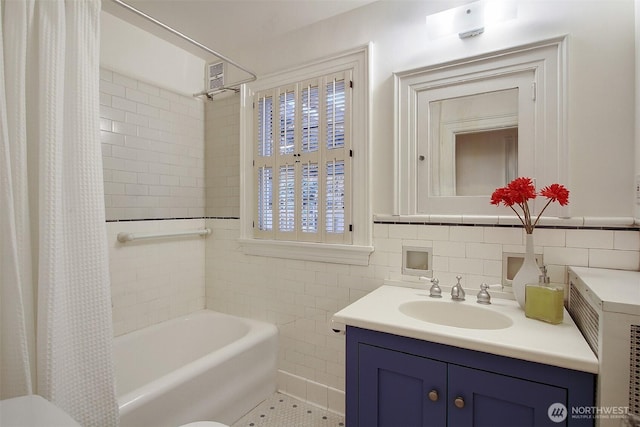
(320, 395)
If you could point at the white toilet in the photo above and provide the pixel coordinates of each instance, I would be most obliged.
(33, 411)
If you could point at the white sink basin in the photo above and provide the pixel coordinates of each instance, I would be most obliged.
(455, 314)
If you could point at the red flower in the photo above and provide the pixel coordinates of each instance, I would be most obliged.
(520, 191)
(501, 195)
(556, 192)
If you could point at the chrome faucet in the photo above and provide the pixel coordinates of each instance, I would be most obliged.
(457, 293)
(434, 291)
(483, 295)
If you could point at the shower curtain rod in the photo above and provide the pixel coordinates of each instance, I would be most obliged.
(196, 43)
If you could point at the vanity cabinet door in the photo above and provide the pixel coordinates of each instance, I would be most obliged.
(400, 389)
(480, 398)
(390, 378)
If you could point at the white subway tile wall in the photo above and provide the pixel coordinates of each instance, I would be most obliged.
(152, 150)
(300, 297)
(155, 280)
(222, 136)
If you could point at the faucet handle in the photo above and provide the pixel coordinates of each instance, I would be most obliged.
(483, 295)
(434, 291)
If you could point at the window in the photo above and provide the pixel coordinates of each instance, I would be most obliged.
(305, 162)
(302, 160)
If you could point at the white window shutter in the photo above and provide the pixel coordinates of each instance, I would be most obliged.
(264, 166)
(337, 158)
(302, 161)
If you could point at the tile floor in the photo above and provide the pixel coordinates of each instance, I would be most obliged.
(281, 410)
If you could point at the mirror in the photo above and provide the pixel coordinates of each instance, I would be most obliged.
(485, 161)
(466, 127)
(477, 136)
(474, 146)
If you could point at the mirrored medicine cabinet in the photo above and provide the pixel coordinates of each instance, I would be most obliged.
(467, 127)
(475, 143)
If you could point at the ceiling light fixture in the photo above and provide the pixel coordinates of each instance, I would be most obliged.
(470, 20)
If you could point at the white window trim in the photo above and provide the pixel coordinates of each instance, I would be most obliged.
(357, 253)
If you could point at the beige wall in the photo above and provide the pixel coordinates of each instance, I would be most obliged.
(600, 105)
(222, 136)
(600, 101)
(140, 55)
(637, 200)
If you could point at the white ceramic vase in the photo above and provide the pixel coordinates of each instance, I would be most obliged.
(529, 272)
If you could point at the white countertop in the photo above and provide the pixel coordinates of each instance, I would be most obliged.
(615, 290)
(527, 339)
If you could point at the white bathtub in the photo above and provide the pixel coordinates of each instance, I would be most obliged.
(204, 366)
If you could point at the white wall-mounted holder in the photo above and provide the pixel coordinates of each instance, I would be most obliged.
(511, 263)
(416, 261)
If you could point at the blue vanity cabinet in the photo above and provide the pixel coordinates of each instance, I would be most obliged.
(407, 390)
(394, 381)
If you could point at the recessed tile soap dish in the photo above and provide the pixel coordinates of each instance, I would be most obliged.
(416, 261)
(511, 262)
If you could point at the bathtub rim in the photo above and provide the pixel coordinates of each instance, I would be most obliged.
(258, 331)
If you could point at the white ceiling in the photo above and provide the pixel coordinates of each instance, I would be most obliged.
(227, 26)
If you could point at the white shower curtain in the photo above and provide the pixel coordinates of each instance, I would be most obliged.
(56, 331)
